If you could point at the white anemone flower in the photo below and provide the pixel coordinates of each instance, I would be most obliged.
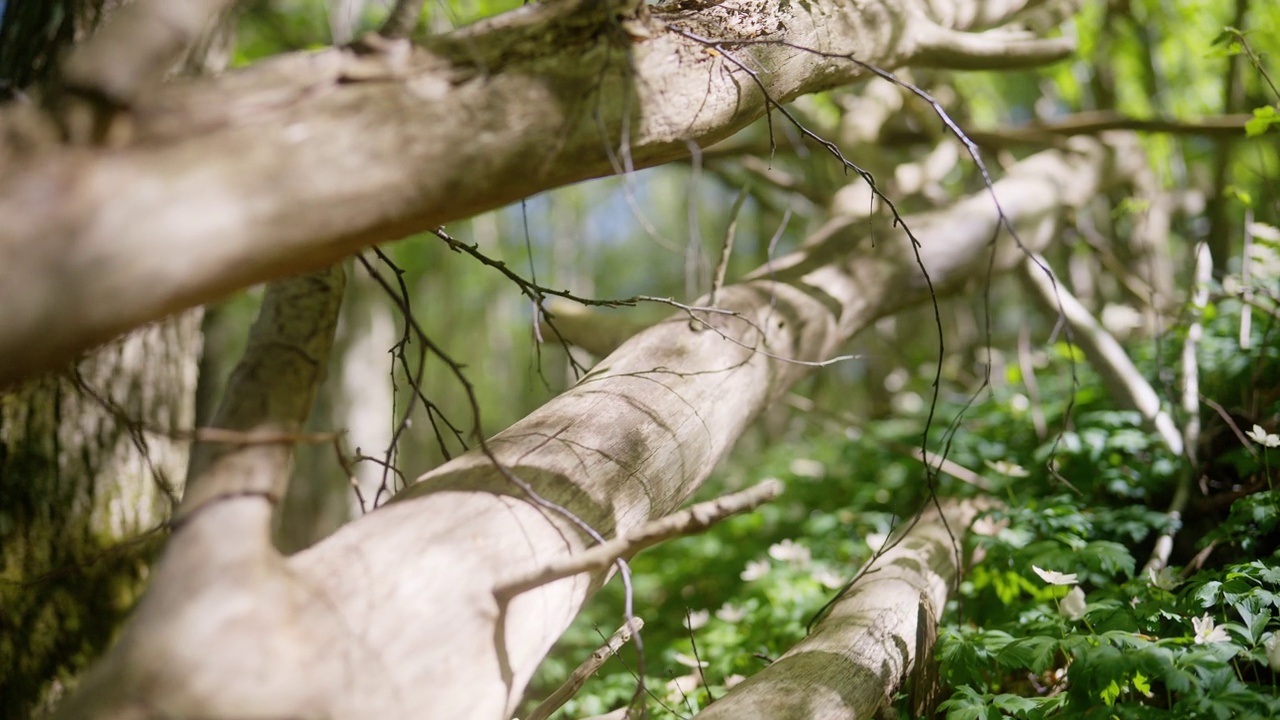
(1073, 605)
(1207, 633)
(1272, 646)
(756, 569)
(1263, 438)
(1053, 577)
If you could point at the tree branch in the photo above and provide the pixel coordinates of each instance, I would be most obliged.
(270, 392)
(1051, 133)
(1118, 372)
(402, 19)
(583, 672)
(993, 50)
(133, 52)
(220, 578)
(685, 522)
(291, 165)
(409, 589)
(1202, 275)
(856, 657)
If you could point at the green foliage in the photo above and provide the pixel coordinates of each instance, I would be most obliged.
(1101, 638)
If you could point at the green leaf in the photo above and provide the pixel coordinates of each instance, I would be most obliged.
(1110, 693)
(1110, 557)
(1035, 653)
(1141, 684)
(968, 704)
(1208, 593)
(1262, 120)
(1014, 704)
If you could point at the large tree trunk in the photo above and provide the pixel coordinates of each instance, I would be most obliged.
(89, 458)
(288, 166)
(123, 200)
(395, 615)
(92, 457)
(878, 635)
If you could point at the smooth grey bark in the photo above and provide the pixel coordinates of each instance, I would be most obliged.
(395, 615)
(220, 559)
(863, 650)
(212, 185)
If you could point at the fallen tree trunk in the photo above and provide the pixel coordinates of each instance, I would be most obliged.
(873, 637)
(395, 615)
(213, 185)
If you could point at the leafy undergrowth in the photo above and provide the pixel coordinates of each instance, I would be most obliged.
(1056, 617)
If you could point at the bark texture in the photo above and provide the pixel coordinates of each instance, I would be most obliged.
(395, 615)
(144, 198)
(213, 185)
(856, 658)
(88, 460)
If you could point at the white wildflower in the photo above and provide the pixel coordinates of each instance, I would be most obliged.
(690, 661)
(1163, 578)
(1272, 646)
(787, 551)
(756, 569)
(806, 468)
(696, 619)
(1206, 633)
(1263, 438)
(1120, 320)
(1072, 606)
(906, 403)
(988, 526)
(731, 613)
(680, 687)
(1008, 469)
(1054, 577)
(828, 579)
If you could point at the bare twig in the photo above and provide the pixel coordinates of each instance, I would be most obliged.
(685, 522)
(1246, 282)
(1231, 423)
(596, 332)
(717, 280)
(949, 467)
(584, 671)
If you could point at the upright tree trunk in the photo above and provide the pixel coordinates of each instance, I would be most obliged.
(89, 459)
(92, 455)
